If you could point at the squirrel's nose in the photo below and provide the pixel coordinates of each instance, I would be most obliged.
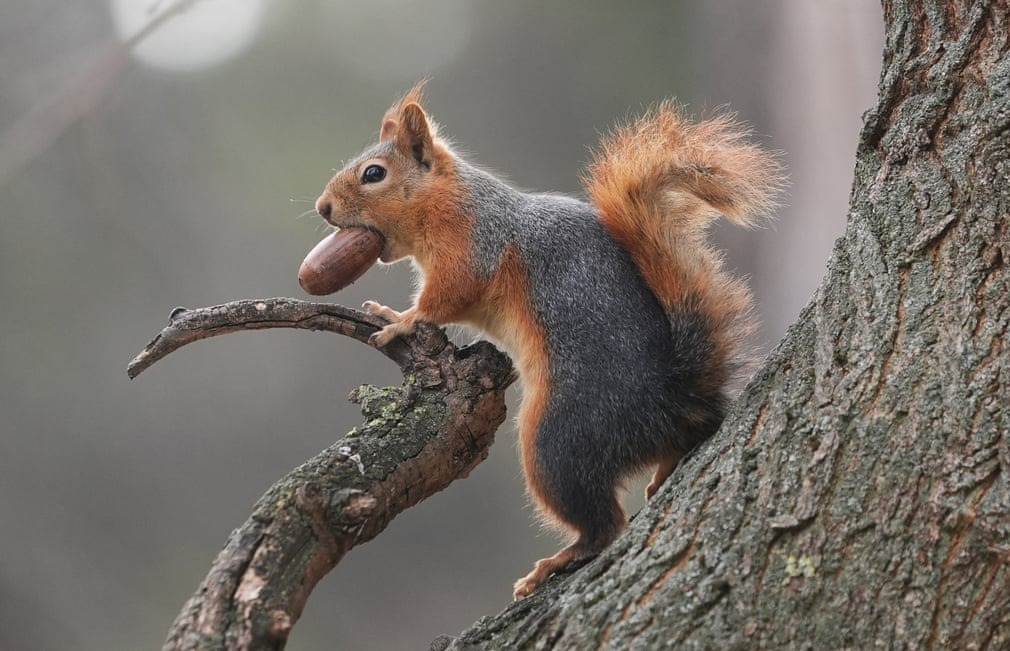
(324, 208)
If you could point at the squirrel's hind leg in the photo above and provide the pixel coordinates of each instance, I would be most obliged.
(666, 467)
(570, 558)
(597, 530)
(545, 567)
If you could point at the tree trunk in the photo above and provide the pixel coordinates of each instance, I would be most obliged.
(857, 495)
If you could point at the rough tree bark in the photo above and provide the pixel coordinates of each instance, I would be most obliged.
(857, 496)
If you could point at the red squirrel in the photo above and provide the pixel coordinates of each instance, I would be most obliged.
(622, 324)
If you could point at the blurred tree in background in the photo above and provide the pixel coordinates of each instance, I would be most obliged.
(129, 184)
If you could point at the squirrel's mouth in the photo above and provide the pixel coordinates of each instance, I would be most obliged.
(386, 249)
(388, 255)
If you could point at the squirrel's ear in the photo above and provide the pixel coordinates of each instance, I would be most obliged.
(388, 129)
(413, 134)
(391, 118)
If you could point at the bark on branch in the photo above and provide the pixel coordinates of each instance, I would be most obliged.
(415, 441)
(186, 326)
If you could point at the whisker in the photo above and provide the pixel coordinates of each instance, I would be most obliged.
(310, 211)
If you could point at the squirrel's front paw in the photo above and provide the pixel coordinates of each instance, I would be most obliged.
(387, 313)
(382, 338)
(401, 323)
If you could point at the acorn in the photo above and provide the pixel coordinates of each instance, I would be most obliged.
(339, 259)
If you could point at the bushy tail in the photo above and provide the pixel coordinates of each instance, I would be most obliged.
(662, 179)
(658, 182)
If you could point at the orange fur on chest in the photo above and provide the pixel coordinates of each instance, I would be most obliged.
(506, 315)
(499, 307)
(441, 236)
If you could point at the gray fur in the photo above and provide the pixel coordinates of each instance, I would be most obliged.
(623, 375)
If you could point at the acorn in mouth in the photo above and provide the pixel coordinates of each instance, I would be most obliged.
(339, 259)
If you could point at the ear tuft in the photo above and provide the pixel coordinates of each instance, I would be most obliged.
(390, 120)
(415, 95)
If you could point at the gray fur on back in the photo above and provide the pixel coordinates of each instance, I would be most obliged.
(621, 373)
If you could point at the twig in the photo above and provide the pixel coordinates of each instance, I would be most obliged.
(186, 326)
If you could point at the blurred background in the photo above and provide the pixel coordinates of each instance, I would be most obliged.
(147, 163)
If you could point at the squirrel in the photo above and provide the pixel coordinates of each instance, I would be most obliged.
(623, 327)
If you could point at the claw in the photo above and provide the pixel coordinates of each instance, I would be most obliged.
(522, 589)
(382, 338)
(400, 323)
(387, 313)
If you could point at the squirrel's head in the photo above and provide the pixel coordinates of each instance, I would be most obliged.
(397, 185)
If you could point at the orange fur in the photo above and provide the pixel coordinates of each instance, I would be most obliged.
(507, 316)
(658, 183)
(419, 215)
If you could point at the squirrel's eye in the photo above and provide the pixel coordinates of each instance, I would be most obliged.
(373, 174)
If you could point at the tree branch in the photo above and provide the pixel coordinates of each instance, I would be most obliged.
(186, 326)
(415, 441)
